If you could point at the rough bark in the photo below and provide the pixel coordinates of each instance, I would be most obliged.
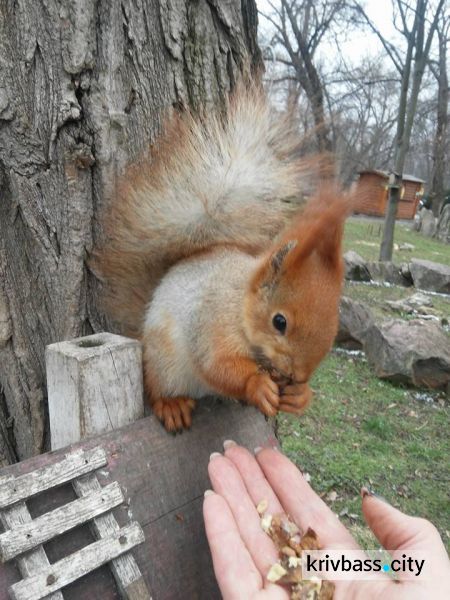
(440, 143)
(83, 86)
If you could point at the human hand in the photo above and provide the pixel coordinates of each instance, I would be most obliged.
(243, 554)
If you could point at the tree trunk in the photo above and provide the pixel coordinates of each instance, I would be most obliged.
(83, 86)
(420, 47)
(437, 191)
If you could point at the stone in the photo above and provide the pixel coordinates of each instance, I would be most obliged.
(412, 352)
(429, 224)
(428, 275)
(387, 271)
(419, 303)
(443, 226)
(354, 319)
(355, 267)
(419, 299)
(406, 246)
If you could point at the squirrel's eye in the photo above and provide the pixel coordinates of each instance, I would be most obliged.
(279, 322)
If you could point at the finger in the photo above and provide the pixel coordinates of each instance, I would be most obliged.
(257, 485)
(397, 531)
(236, 573)
(227, 482)
(301, 502)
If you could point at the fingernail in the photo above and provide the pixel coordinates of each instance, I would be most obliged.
(214, 455)
(367, 491)
(229, 444)
(208, 493)
(257, 449)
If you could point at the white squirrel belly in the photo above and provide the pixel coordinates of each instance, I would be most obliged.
(172, 310)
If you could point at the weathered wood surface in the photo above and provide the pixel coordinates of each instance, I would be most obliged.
(83, 88)
(76, 565)
(27, 536)
(32, 561)
(94, 385)
(163, 478)
(126, 572)
(29, 484)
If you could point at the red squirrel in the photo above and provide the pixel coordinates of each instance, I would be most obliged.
(230, 282)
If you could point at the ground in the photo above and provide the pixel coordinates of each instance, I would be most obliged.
(364, 431)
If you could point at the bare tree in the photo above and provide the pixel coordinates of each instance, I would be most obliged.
(416, 21)
(300, 26)
(83, 86)
(440, 145)
(362, 104)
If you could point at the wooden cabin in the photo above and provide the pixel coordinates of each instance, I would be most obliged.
(372, 194)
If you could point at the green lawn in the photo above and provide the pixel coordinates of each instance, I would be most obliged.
(360, 430)
(364, 237)
(363, 431)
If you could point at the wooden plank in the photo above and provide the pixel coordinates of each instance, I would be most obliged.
(125, 570)
(78, 564)
(73, 465)
(94, 385)
(35, 560)
(23, 538)
(163, 478)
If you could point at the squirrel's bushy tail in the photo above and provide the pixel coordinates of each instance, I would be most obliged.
(230, 178)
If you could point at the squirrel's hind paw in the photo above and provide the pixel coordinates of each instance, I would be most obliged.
(174, 413)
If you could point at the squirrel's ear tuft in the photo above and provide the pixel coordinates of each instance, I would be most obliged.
(270, 271)
(320, 229)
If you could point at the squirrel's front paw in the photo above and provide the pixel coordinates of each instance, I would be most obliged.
(174, 413)
(263, 393)
(295, 398)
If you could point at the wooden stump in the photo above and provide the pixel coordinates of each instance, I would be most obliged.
(94, 385)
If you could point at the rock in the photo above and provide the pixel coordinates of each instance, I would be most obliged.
(387, 271)
(428, 275)
(429, 224)
(419, 299)
(443, 226)
(412, 352)
(355, 267)
(406, 246)
(419, 303)
(400, 306)
(354, 319)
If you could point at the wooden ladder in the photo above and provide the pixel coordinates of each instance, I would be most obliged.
(24, 536)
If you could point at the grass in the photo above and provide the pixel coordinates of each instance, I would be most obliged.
(364, 237)
(364, 431)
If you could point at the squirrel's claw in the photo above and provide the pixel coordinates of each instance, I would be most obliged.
(174, 413)
(263, 393)
(295, 398)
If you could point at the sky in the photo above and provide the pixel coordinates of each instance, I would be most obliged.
(361, 42)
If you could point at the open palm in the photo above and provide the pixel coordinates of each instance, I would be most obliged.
(243, 554)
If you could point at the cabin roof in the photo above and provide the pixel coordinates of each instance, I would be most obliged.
(406, 176)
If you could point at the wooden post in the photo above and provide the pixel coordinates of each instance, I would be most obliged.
(94, 385)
